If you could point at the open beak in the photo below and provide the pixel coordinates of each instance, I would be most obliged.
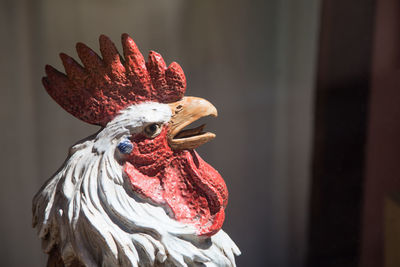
(184, 112)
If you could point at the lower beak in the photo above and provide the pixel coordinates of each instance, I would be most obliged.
(184, 112)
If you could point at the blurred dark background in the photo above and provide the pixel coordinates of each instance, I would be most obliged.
(308, 128)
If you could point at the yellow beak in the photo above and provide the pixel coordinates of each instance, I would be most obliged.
(184, 112)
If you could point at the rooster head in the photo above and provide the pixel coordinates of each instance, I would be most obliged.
(144, 115)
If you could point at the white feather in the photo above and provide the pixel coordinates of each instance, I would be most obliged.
(89, 211)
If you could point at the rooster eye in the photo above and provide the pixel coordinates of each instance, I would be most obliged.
(152, 130)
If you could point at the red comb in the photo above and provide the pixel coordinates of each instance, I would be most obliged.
(96, 92)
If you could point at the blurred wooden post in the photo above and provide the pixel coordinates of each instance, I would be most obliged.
(341, 98)
(392, 231)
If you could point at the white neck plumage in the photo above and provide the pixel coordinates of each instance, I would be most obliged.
(90, 214)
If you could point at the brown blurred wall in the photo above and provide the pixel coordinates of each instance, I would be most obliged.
(253, 59)
(383, 146)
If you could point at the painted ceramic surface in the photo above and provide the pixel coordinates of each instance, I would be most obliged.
(136, 193)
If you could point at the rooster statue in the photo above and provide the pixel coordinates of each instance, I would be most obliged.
(135, 193)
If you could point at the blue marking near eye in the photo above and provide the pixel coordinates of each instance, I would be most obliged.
(125, 147)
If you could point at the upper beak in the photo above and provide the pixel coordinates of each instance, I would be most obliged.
(184, 112)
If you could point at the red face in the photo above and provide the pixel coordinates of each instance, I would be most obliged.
(177, 178)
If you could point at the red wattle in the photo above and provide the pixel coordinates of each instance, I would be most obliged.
(189, 187)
